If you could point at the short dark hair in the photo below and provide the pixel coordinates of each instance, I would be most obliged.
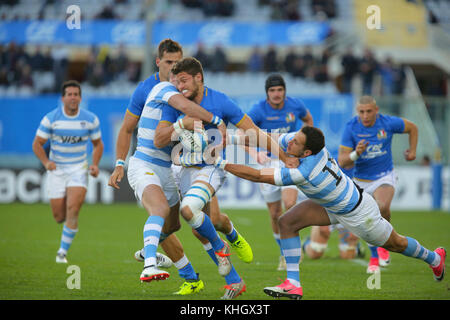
(275, 80)
(315, 140)
(189, 65)
(168, 45)
(70, 83)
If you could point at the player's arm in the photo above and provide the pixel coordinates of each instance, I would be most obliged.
(266, 141)
(129, 123)
(265, 175)
(38, 149)
(413, 132)
(163, 134)
(347, 156)
(97, 153)
(308, 119)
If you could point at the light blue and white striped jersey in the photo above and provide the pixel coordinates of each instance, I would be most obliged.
(69, 135)
(320, 179)
(156, 100)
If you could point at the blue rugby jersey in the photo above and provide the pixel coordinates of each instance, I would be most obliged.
(216, 103)
(278, 120)
(137, 101)
(69, 135)
(376, 160)
(155, 103)
(320, 179)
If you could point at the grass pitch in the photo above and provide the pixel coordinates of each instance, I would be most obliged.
(110, 234)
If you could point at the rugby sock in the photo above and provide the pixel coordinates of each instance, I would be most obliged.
(232, 236)
(291, 250)
(206, 230)
(152, 232)
(373, 251)
(415, 250)
(233, 276)
(185, 269)
(67, 237)
(277, 239)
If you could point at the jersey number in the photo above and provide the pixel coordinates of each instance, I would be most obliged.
(334, 174)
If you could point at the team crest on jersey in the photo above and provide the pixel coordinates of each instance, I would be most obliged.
(290, 117)
(381, 134)
(83, 124)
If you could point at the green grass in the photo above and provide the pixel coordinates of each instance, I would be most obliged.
(109, 235)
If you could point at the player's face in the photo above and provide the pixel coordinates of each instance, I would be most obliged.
(188, 85)
(166, 62)
(276, 95)
(71, 98)
(367, 113)
(296, 146)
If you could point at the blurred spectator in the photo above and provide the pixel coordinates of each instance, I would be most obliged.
(285, 10)
(256, 60)
(327, 7)
(133, 72)
(219, 60)
(223, 8)
(192, 3)
(4, 81)
(48, 60)
(399, 79)
(60, 62)
(270, 60)
(202, 56)
(387, 76)
(368, 67)
(321, 73)
(120, 62)
(289, 60)
(107, 13)
(37, 60)
(350, 65)
(299, 68)
(25, 78)
(96, 77)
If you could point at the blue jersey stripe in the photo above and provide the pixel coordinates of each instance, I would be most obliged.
(67, 154)
(148, 123)
(147, 143)
(146, 157)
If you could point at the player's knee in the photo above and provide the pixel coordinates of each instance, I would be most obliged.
(59, 218)
(289, 204)
(193, 202)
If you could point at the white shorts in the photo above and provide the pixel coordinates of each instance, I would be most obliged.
(65, 176)
(209, 174)
(142, 174)
(371, 186)
(365, 222)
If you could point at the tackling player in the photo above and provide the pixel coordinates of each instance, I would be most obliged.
(366, 145)
(277, 114)
(333, 198)
(68, 129)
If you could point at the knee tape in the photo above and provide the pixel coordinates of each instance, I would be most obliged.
(196, 198)
(346, 247)
(318, 247)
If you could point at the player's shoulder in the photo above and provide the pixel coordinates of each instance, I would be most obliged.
(352, 123)
(145, 86)
(54, 114)
(295, 102)
(87, 115)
